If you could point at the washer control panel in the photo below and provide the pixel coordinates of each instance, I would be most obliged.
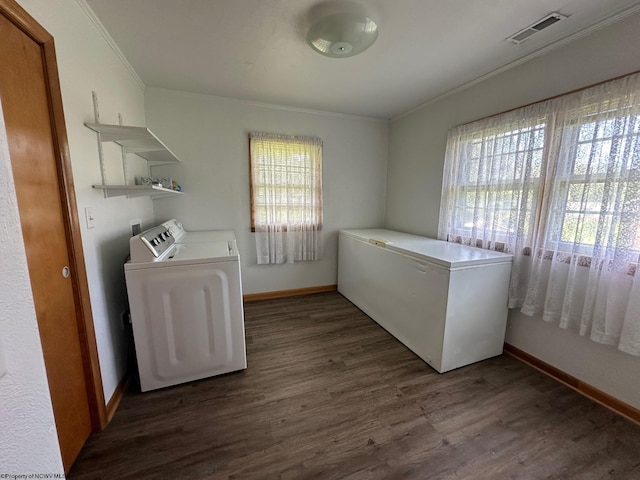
(175, 228)
(151, 245)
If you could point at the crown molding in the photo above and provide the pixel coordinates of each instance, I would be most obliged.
(537, 53)
(110, 41)
(257, 104)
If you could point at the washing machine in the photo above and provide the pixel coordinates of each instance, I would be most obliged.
(181, 235)
(186, 308)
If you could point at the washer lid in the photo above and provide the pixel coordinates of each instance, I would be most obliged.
(207, 236)
(191, 254)
(205, 250)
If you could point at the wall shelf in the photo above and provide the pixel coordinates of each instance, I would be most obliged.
(152, 191)
(138, 140)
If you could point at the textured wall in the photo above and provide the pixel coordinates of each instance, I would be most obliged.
(28, 439)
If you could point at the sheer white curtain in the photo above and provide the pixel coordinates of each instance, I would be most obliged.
(492, 183)
(286, 189)
(566, 204)
(583, 275)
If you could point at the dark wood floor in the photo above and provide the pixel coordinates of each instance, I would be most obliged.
(329, 394)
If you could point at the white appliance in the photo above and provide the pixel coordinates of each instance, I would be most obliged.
(186, 308)
(182, 236)
(445, 302)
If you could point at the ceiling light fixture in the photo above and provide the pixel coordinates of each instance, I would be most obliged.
(342, 34)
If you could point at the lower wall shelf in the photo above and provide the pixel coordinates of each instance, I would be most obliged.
(136, 191)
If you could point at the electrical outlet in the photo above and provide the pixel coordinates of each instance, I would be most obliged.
(136, 226)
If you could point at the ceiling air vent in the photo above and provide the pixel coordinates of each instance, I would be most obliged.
(540, 25)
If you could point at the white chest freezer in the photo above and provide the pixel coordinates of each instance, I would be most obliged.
(445, 302)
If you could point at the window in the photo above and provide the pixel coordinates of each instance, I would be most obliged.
(597, 184)
(557, 184)
(503, 178)
(495, 184)
(286, 196)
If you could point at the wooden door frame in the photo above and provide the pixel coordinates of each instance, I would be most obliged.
(91, 365)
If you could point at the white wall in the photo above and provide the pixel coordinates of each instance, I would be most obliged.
(28, 438)
(417, 146)
(86, 62)
(210, 133)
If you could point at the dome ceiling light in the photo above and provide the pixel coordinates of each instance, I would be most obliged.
(342, 34)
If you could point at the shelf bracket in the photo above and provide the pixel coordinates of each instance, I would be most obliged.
(124, 153)
(96, 116)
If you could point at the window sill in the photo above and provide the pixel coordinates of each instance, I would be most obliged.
(286, 228)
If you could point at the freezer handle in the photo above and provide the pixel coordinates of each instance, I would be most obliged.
(422, 267)
(378, 242)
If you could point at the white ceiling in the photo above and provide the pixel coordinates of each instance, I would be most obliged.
(256, 49)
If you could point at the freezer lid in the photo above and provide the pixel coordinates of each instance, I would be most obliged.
(377, 234)
(439, 252)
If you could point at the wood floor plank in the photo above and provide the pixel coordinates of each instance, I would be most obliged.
(328, 394)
